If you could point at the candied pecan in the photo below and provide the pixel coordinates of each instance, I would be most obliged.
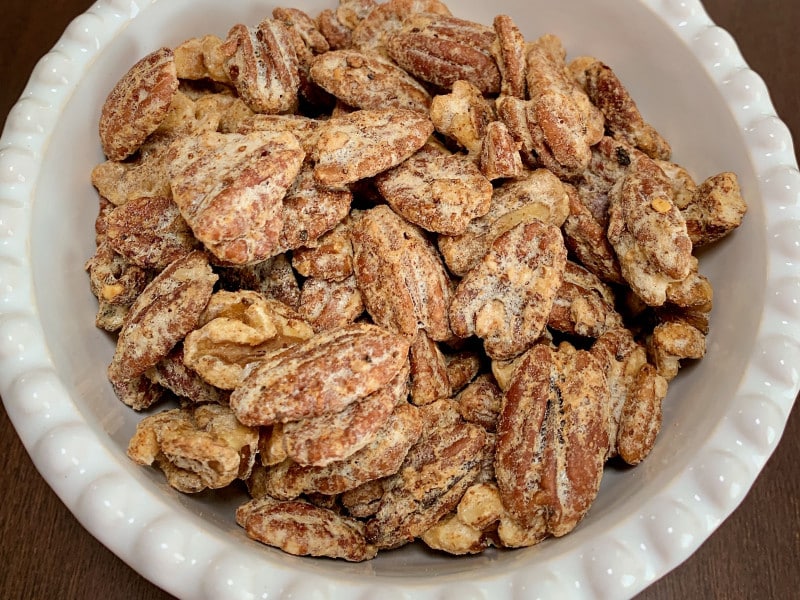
(305, 26)
(302, 529)
(330, 304)
(400, 275)
(586, 239)
(673, 341)
(139, 393)
(305, 129)
(440, 193)
(547, 73)
(201, 58)
(230, 188)
(271, 448)
(622, 116)
(584, 305)
(321, 375)
(171, 373)
(363, 501)
(321, 440)
(716, 209)
(431, 480)
(236, 329)
(137, 104)
(143, 175)
(499, 155)
(462, 368)
(442, 49)
(641, 417)
(631, 382)
(330, 257)
(368, 81)
(352, 12)
(479, 402)
(262, 64)
(149, 232)
(519, 117)
(537, 195)
(453, 536)
(113, 279)
(166, 310)
(378, 459)
(429, 381)
(365, 142)
(310, 210)
(336, 33)
(552, 437)
(198, 448)
(463, 115)
(510, 52)
(188, 116)
(648, 232)
(507, 297)
(371, 33)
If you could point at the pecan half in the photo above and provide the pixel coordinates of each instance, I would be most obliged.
(137, 104)
(442, 49)
(230, 189)
(368, 81)
(507, 297)
(552, 437)
(319, 376)
(166, 310)
(401, 278)
(435, 474)
(371, 33)
(302, 529)
(150, 232)
(262, 64)
(439, 192)
(365, 142)
(378, 459)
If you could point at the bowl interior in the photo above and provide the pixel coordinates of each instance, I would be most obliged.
(674, 93)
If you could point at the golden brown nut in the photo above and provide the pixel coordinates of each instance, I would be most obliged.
(479, 402)
(510, 52)
(236, 329)
(201, 58)
(329, 258)
(622, 116)
(429, 380)
(537, 195)
(368, 81)
(463, 115)
(116, 283)
(716, 209)
(137, 104)
(166, 310)
(171, 373)
(150, 232)
(435, 474)
(499, 156)
(584, 305)
(648, 232)
(321, 440)
(199, 448)
(330, 304)
(371, 33)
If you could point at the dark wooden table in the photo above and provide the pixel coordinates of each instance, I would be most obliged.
(45, 553)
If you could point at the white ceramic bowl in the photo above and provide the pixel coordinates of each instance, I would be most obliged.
(723, 417)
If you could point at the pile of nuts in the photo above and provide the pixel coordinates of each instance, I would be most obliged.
(402, 275)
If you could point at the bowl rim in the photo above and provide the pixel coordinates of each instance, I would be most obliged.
(59, 440)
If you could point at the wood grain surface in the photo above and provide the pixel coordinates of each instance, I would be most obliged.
(45, 553)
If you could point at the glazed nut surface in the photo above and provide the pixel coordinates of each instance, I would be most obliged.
(236, 329)
(407, 277)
